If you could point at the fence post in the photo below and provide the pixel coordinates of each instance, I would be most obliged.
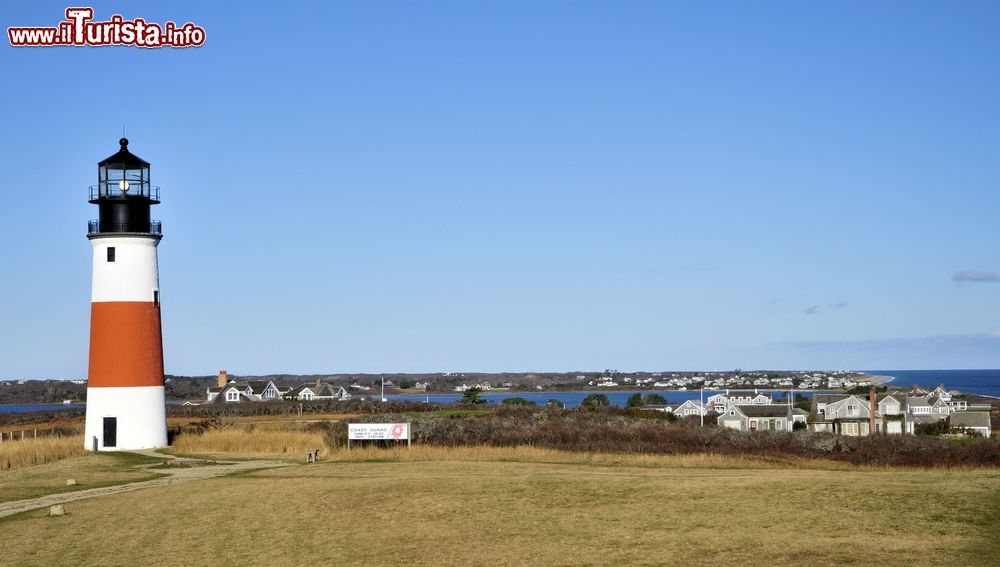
(36, 433)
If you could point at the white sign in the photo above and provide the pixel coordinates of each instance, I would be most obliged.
(378, 431)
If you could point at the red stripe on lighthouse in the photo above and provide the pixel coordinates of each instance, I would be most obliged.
(126, 348)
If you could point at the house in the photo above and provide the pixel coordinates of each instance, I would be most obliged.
(845, 414)
(974, 422)
(891, 409)
(739, 397)
(318, 391)
(228, 390)
(251, 391)
(761, 417)
(691, 407)
(896, 412)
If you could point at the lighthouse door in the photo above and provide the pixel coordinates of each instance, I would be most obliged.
(111, 432)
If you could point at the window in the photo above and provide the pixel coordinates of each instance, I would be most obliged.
(232, 396)
(781, 424)
(156, 297)
(111, 253)
(732, 412)
(852, 410)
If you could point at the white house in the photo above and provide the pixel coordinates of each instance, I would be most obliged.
(761, 417)
(250, 391)
(318, 391)
(691, 407)
(718, 402)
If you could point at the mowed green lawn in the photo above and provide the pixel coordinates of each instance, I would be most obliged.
(527, 513)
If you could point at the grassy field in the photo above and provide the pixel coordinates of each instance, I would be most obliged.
(90, 471)
(518, 506)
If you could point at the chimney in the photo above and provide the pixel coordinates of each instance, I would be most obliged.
(916, 390)
(871, 411)
(318, 382)
(223, 378)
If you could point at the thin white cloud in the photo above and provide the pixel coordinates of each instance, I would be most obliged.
(973, 276)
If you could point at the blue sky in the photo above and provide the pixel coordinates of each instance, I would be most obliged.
(449, 186)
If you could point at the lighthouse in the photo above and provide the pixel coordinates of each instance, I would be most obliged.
(125, 398)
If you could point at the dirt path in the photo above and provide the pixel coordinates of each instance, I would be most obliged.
(171, 476)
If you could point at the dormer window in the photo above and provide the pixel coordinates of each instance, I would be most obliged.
(232, 396)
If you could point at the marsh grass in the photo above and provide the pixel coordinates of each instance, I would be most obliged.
(18, 454)
(284, 443)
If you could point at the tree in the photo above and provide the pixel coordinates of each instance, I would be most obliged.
(654, 399)
(517, 401)
(634, 401)
(554, 403)
(595, 402)
(472, 396)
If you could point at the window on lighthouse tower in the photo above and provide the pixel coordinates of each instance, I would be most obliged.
(111, 253)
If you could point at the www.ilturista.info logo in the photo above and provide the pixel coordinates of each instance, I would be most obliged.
(79, 30)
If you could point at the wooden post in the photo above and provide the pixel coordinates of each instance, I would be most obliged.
(36, 433)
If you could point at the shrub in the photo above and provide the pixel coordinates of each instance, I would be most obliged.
(472, 396)
(654, 399)
(594, 402)
(517, 401)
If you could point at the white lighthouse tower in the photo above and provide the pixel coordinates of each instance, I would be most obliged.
(125, 398)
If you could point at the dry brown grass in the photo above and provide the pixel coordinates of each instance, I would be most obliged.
(30, 452)
(238, 442)
(292, 442)
(487, 506)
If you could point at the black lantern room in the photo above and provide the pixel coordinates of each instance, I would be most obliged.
(123, 195)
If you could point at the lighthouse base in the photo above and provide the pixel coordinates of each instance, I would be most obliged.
(126, 418)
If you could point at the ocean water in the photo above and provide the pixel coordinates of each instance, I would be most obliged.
(983, 382)
(21, 408)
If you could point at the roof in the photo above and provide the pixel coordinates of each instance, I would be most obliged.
(828, 398)
(257, 386)
(124, 159)
(220, 399)
(917, 402)
(899, 397)
(971, 419)
(773, 410)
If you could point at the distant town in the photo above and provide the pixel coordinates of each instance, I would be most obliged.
(194, 389)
